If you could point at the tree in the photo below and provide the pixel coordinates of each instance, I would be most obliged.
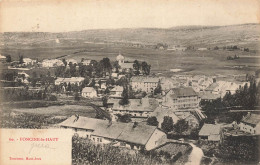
(146, 68)
(158, 89)
(152, 121)
(126, 118)
(69, 87)
(181, 126)
(8, 58)
(77, 97)
(125, 100)
(167, 124)
(21, 59)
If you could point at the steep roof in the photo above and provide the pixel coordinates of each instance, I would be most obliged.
(183, 92)
(84, 123)
(210, 129)
(88, 90)
(111, 131)
(144, 104)
(251, 118)
(138, 135)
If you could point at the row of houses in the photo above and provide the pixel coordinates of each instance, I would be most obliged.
(131, 135)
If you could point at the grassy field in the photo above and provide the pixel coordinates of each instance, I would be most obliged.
(193, 61)
(63, 110)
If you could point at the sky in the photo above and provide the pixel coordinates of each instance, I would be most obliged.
(68, 15)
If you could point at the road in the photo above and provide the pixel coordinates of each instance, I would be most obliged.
(195, 155)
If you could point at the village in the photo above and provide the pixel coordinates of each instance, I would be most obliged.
(140, 110)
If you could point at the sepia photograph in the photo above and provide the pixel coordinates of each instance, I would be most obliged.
(129, 82)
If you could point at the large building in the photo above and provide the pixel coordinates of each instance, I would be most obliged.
(146, 84)
(130, 135)
(124, 66)
(181, 98)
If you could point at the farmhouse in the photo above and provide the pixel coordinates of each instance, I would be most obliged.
(250, 123)
(89, 92)
(130, 135)
(116, 92)
(136, 107)
(146, 84)
(210, 132)
(181, 98)
(72, 80)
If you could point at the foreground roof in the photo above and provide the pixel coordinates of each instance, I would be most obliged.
(210, 129)
(251, 118)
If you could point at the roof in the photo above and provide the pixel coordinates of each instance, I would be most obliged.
(72, 79)
(145, 79)
(183, 92)
(88, 90)
(207, 95)
(111, 131)
(117, 88)
(138, 135)
(210, 129)
(251, 118)
(212, 87)
(160, 112)
(127, 65)
(84, 123)
(144, 104)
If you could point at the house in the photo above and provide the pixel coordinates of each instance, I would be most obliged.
(72, 80)
(116, 92)
(83, 126)
(28, 61)
(86, 62)
(2, 58)
(210, 132)
(136, 107)
(202, 49)
(48, 63)
(138, 136)
(146, 84)
(181, 98)
(120, 59)
(114, 75)
(89, 92)
(192, 121)
(160, 112)
(73, 61)
(250, 123)
(208, 96)
(130, 135)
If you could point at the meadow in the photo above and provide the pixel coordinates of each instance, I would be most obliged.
(208, 62)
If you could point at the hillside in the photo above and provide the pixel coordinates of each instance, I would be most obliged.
(245, 34)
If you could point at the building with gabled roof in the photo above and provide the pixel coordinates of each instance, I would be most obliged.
(116, 92)
(146, 84)
(211, 132)
(136, 107)
(250, 123)
(130, 135)
(89, 92)
(72, 80)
